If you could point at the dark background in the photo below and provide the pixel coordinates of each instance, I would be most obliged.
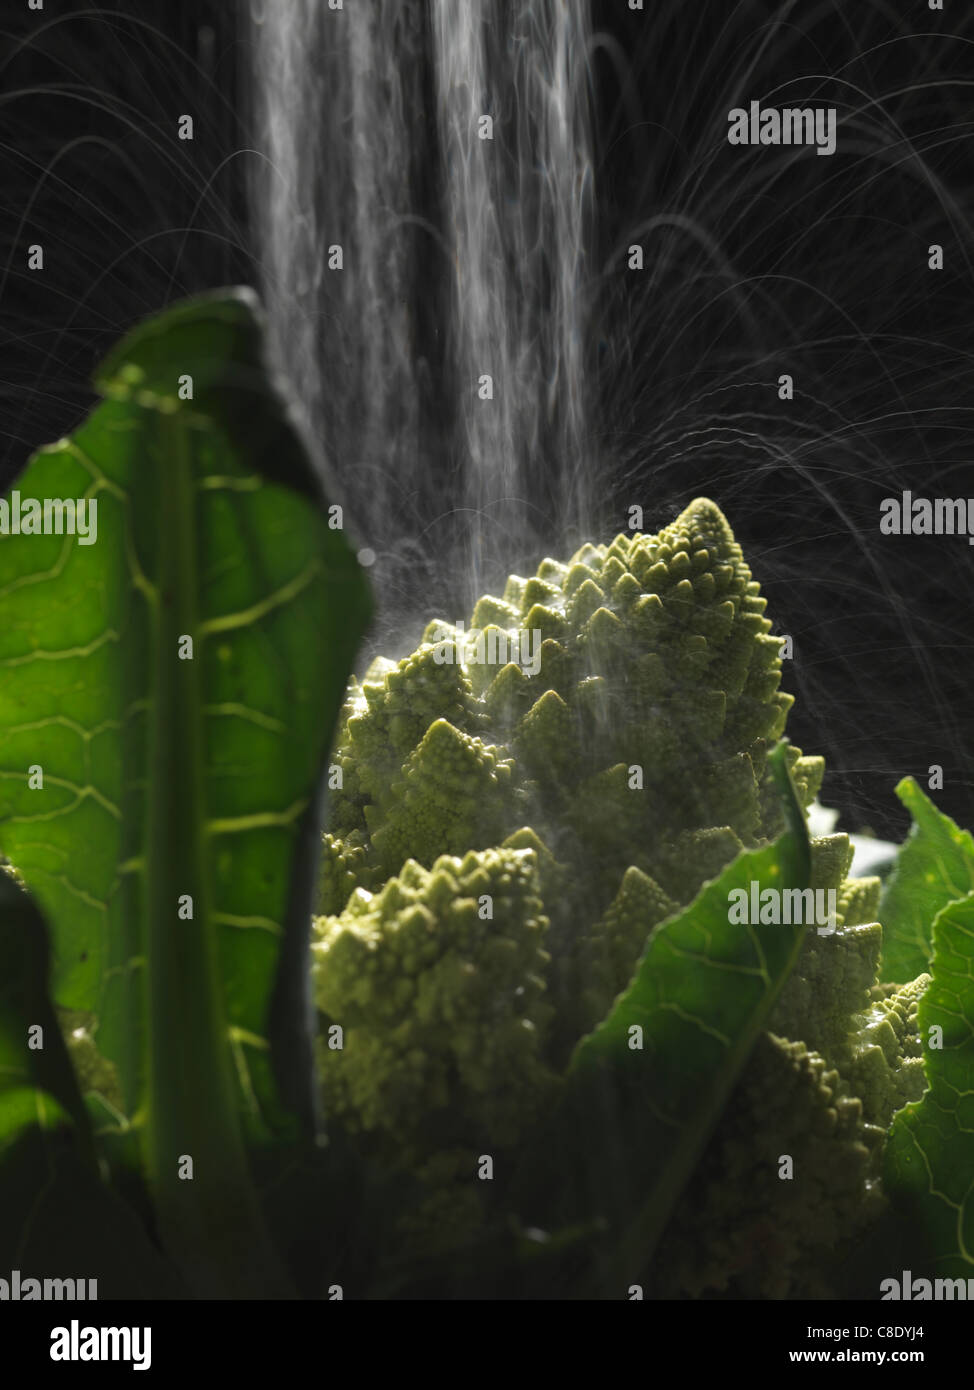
(759, 262)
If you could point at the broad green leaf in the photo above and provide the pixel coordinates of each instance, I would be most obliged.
(37, 1083)
(56, 1215)
(171, 840)
(929, 1160)
(935, 866)
(702, 992)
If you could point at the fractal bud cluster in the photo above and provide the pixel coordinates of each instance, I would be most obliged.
(499, 853)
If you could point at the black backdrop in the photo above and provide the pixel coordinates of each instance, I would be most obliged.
(765, 263)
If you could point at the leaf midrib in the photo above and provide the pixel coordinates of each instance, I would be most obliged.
(189, 1102)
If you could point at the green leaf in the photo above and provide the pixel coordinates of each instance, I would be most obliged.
(929, 1159)
(37, 1083)
(935, 866)
(701, 994)
(172, 842)
(55, 1212)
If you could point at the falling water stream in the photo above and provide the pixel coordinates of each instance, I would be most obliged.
(423, 209)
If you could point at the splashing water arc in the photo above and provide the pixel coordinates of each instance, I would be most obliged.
(424, 213)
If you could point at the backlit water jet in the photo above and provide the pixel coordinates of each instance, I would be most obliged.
(423, 211)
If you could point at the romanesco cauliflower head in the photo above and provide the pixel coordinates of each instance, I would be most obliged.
(516, 815)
